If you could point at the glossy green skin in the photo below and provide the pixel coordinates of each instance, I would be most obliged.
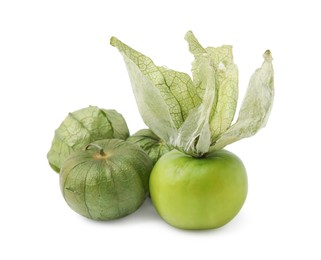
(205, 193)
(108, 186)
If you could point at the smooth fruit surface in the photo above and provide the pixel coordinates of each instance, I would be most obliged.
(198, 193)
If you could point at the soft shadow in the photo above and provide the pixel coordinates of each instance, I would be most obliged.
(233, 226)
(145, 214)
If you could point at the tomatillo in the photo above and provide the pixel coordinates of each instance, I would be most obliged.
(108, 179)
(198, 193)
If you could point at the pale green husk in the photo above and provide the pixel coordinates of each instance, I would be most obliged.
(150, 143)
(82, 127)
(107, 180)
(196, 116)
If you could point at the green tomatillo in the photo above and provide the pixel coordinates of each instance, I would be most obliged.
(108, 179)
(82, 127)
(199, 185)
(150, 143)
(198, 193)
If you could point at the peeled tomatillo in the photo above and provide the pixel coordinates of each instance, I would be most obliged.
(198, 193)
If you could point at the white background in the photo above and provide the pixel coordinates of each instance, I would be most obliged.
(55, 58)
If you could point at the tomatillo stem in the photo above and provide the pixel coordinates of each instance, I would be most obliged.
(101, 150)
